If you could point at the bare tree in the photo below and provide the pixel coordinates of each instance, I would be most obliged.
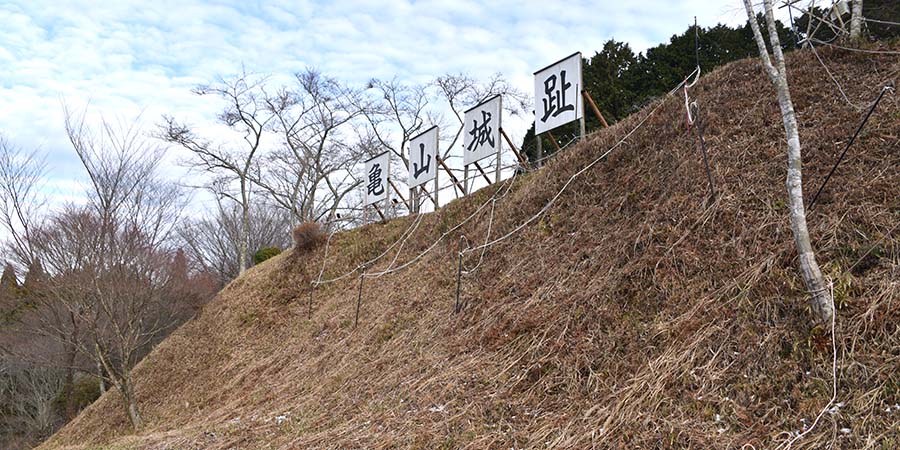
(106, 261)
(210, 242)
(312, 173)
(247, 113)
(395, 113)
(115, 296)
(821, 299)
(103, 282)
(29, 394)
(20, 200)
(461, 91)
(856, 20)
(21, 180)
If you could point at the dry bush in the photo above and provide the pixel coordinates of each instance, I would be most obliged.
(307, 236)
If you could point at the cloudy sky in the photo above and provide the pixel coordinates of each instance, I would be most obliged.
(125, 58)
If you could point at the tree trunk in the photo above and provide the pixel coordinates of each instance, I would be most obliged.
(121, 379)
(812, 275)
(244, 244)
(856, 20)
(820, 304)
(131, 408)
(101, 377)
(69, 382)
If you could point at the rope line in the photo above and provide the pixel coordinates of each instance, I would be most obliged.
(871, 249)
(687, 108)
(368, 263)
(549, 156)
(324, 258)
(486, 238)
(508, 181)
(788, 445)
(885, 22)
(417, 222)
(860, 50)
(695, 74)
(576, 175)
(841, 89)
(887, 88)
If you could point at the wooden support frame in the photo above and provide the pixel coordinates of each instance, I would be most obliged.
(553, 140)
(452, 177)
(399, 194)
(380, 214)
(428, 194)
(518, 154)
(437, 187)
(482, 172)
(590, 101)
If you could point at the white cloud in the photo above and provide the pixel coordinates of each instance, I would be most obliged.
(130, 57)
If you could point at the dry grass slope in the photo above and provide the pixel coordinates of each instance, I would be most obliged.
(628, 316)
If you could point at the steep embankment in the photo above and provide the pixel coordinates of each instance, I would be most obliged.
(628, 316)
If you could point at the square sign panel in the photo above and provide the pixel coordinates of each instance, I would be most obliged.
(376, 181)
(482, 130)
(423, 150)
(557, 94)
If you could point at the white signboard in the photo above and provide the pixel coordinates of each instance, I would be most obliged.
(482, 130)
(557, 94)
(423, 150)
(376, 181)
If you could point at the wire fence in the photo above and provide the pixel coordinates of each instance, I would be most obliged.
(504, 190)
(362, 268)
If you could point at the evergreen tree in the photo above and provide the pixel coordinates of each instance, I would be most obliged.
(882, 11)
(8, 282)
(604, 73)
(34, 279)
(179, 268)
(9, 292)
(621, 82)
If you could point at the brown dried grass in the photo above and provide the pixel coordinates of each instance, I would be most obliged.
(307, 236)
(629, 316)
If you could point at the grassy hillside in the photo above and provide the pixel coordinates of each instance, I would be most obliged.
(630, 315)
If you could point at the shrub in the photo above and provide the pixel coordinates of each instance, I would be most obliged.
(265, 253)
(85, 390)
(307, 236)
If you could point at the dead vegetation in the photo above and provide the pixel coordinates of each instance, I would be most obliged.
(628, 316)
(307, 236)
